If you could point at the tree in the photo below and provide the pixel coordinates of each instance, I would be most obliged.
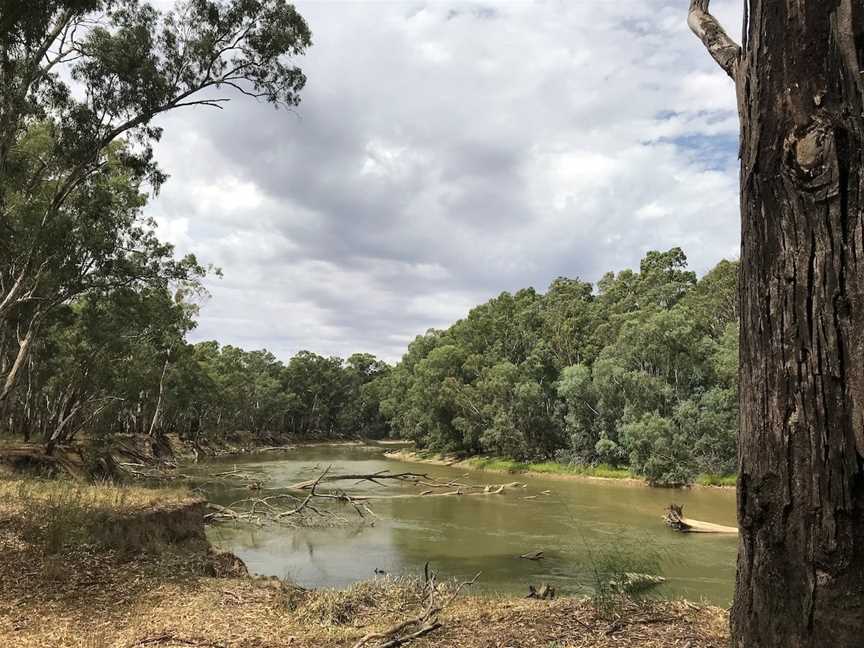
(800, 94)
(559, 375)
(67, 225)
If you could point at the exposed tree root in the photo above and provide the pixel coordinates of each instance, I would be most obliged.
(68, 460)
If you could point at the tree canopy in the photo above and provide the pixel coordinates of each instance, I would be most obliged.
(81, 82)
(639, 372)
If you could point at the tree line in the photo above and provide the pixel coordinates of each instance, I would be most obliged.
(639, 371)
(116, 365)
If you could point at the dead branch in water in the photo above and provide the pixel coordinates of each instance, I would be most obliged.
(420, 625)
(416, 479)
(272, 508)
(375, 478)
(309, 497)
(266, 509)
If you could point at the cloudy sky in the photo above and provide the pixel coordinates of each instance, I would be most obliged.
(445, 152)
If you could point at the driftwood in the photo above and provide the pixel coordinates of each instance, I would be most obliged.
(299, 497)
(375, 478)
(417, 479)
(533, 555)
(674, 518)
(268, 509)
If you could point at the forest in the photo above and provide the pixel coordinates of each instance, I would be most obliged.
(638, 372)
(96, 311)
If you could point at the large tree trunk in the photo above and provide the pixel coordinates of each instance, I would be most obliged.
(801, 441)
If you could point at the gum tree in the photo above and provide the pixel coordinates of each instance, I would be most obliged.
(73, 153)
(800, 90)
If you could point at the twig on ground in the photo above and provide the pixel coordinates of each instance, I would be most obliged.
(425, 623)
(169, 637)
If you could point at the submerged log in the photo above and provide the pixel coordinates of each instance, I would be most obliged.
(674, 518)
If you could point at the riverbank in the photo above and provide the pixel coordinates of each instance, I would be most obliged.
(240, 444)
(66, 582)
(549, 469)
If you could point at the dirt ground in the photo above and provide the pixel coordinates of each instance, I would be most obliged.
(58, 591)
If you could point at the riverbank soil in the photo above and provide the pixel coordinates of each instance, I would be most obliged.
(95, 567)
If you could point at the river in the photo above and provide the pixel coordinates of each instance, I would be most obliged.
(575, 525)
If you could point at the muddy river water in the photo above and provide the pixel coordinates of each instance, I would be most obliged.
(575, 524)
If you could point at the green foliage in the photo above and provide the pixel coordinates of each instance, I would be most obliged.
(75, 165)
(716, 480)
(640, 375)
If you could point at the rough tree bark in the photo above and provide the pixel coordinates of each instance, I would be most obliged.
(800, 91)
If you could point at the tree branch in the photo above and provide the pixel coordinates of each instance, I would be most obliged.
(722, 48)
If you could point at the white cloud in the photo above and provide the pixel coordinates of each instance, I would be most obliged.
(446, 151)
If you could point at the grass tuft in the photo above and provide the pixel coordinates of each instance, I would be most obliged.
(339, 607)
(621, 575)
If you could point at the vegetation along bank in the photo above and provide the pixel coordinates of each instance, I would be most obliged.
(636, 375)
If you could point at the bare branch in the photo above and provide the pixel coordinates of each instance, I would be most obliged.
(373, 477)
(312, 493)
(722, 48)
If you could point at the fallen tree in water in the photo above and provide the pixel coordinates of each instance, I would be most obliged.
(674, 518)
(294, 506)
(417, 479)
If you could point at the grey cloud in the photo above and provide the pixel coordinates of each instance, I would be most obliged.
(438, 159)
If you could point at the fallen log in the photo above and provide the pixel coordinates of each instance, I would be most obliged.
(674, 519)
(371, 477)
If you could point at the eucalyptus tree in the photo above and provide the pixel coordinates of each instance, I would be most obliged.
(81, 82)
(100, 365)
(533, 376)
(800, 88)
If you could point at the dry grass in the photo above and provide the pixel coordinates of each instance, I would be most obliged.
(21, 492)
(56, 514)
(86, 596)
(361, 602)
